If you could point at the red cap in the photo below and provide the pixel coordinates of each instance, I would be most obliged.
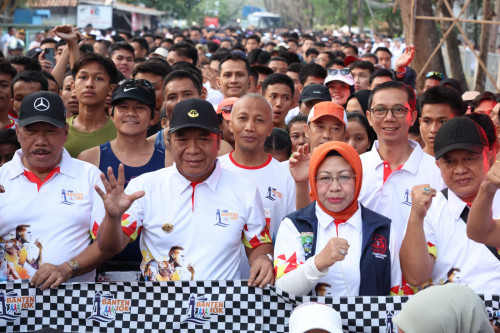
(327, 109)
(226, 107)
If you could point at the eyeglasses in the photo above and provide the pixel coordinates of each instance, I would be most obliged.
(328, 180)
(397, 111)
(435, 74)
(137, 82)
(343, 71)
(227, 108)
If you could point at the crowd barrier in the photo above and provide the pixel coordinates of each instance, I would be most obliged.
(182, 306)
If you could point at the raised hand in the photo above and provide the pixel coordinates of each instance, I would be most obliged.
(299, 164)
(335, 250)
(421, 199)
(405, 58)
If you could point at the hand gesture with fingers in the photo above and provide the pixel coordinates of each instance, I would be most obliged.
(405, 58)
(421, 199)
(335, 250)
(299, 164)
(116, 201)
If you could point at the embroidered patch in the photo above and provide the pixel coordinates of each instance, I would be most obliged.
(306, 239)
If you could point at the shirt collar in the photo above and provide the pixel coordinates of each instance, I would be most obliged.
(411, 165)
(455, 205)
(182, 184)
(326, 221)
(66, 165)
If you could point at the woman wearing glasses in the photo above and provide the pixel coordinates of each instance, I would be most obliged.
(335, 246)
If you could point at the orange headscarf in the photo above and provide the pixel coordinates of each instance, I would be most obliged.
(351, 156)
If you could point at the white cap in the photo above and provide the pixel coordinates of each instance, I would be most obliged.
(161, 51)
(347, 79)
(310, 316)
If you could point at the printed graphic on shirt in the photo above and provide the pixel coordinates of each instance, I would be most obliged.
(223, 217)
(379, 246)
(323, 289)
(106, 307)
(173, 268)
(20, 254)
(257, 240)
(283, 265)
(273, 194)
(407, 198)
(306, 239)
(69, 197)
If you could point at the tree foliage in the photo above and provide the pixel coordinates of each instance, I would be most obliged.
(174, 8)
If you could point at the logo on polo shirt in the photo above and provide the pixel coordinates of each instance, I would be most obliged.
(306, 239)
(106, 307)
(223, 217)
(201, 309)
(379, 246)
(407, 198)
(272, 194)
(12, 303)
(69, 197)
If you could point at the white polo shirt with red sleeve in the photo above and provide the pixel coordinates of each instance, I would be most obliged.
(194, 231)
(388, 192)
(458, 258)
(48, 221)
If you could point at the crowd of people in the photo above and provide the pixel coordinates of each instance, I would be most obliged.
(306, 160)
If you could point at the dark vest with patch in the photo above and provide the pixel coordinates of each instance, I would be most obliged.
(375, 262)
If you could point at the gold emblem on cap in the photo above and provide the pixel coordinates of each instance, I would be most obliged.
(193, 113)
(168, 227)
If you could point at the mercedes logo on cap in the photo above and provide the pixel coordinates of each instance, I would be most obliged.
(41, 104)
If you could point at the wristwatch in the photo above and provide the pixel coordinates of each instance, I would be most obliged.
(73, 264)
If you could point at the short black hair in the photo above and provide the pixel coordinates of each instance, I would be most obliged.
(183, 74)
(262, 70)
(187, 50)
(443, 95)
(118, 46)
(394, 85)
(311, 50)
(384, 49)
(330, 55)
(48, 40)
(235, 56)
(49, 76)
(8, 136)
(258, 56)
(190, 68)
(105, 62)
(279, 140)
(7, 69)
(257, 38)
(142, 42)
(277, 59)
(311, 70)
(294, 67)
(381, 72)
(370, 55)
(484, 96)
(30, 64)
(277, 78)
(362, 65)
(289, 57)
(155, 66)
(293, 40)
(219, 55)
(352, 47)
(30, 77)
(300, 118)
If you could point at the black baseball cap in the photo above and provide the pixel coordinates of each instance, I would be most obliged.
(194, 112)
(459, 133)
(315, 91)
(42, 106)
(137, 89)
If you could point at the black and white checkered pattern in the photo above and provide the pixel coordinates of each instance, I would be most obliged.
(163, 306)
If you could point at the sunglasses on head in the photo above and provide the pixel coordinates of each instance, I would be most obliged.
(343, 71)
(435, 74)
(136, 82)
(227, 108)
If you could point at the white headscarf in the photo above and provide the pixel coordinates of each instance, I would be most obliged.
(444, 309)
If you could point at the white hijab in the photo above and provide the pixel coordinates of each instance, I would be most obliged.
(444, 309)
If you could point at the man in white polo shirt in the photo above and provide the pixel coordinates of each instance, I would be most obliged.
(436, 249)
(194, 205)
(49, 208)
(395, 164)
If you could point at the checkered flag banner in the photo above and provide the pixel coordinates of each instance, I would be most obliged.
(182, 306)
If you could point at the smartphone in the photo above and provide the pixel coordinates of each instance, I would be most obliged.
(49, 55)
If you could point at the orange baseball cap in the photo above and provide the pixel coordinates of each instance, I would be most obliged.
(327, 109)
(225, 107)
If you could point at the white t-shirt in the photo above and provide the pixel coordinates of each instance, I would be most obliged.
(458, 258)
(342, 278)
(391, 197)
(275, 184)
(50, 221)
(194, 232)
